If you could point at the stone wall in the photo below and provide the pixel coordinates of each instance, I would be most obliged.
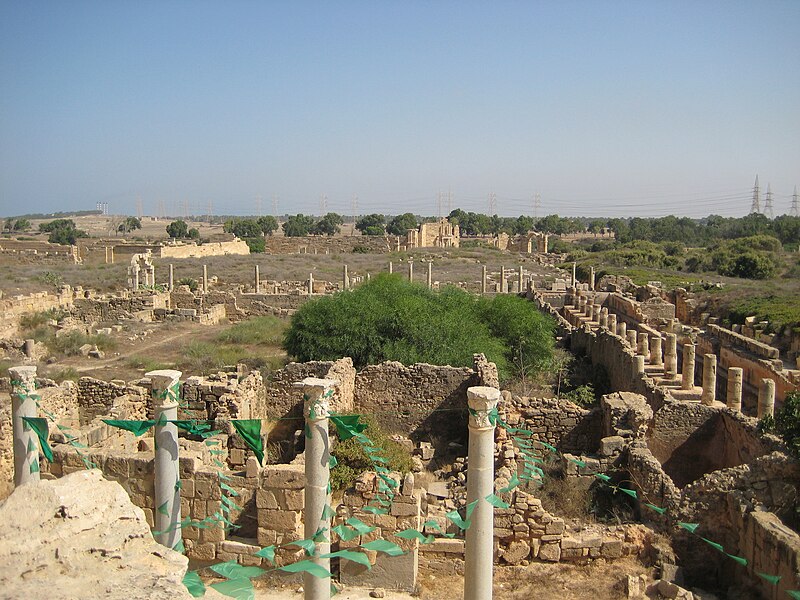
(233, 247)
(12, 308)
(737, 508)
(98, 398)
(420, 400)
(559, 423)
(139, 305)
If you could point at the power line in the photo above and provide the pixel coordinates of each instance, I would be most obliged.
(768, 204)
(794, 210)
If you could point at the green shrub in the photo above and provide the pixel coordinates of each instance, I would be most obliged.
(392, 319)
(31, 321)
(360, 249)
(787, 422)
(258, 330)
(257, 245)
(190, 281)
(352, 460)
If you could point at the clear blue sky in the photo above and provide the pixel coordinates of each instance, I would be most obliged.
(603, 108)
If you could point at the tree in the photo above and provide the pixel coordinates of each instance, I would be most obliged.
(297, 225)
(245, 228)
(65, 233)
(268, 224)
(194, 234)
(389, 318)
(787, 422)
(328, 225)
(400, 224)
(129, 224)
(57, 224)
(257, 245)
(371, 224)
(178, 229)
(596, 226)
(523, 225)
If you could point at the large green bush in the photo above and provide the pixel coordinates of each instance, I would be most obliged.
(392, 319)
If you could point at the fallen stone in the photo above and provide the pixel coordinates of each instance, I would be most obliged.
(80, 537)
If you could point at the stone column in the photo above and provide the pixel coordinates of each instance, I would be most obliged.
(136, 278)
(205, 278)
(391, 268)
(167, 513)
(171, 277)
(483, 279)
(112, 255)
(345, 278)
(430, 275)
(26, 443)
(639, 363)
(310, 284)
(410, 271)
(687, 372)
(644, 345)
(257, 282)
(28, 347)
(734, 393)
(603, 318)
(480, 483)
(709, 379)
(503, 284)
(633, 337)
(596, 313)
(656, 356)
(671, 357)
(766, 398)
(622, 330)
(591, 278)
(521, 281)
(316, 408)
(612, 323)
(574, 279)
(106, 254)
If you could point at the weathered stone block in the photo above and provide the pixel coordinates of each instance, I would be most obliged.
(279, 520)
(550, 552)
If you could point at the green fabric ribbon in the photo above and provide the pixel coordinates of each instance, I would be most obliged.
(250, 431)
(347, 426)
(39, 425)
(136, 427)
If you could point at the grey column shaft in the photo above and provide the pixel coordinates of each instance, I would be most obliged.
(644, 345)
(687, 374)
(633, 337)
(430, 275)
(171, 277)
(622, 330)
(503, 286)
(521, 280)
(391, 267)
(639, 363)
(612, 323)
(709, 379)
(479, 552)
(257, 277)
(24, 437)
(483, 279)
(656, 355)
(205, 278)
(591, 278)
(671, 356)
(345, 278)
(310, 283)
(574, 280)
(410, 271)
(317, 469)
(734, 392)
(167, 513)
(766, 398)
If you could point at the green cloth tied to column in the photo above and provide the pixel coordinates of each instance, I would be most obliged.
(39, 425)
(347, 426)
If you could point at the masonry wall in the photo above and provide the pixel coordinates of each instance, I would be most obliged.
(559, 423)
(12, 308)
(421, 400)
(97, 398)
(233, 247)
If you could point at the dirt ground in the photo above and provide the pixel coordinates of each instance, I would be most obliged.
(597, 581)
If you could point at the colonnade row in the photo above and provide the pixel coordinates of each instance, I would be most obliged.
(657, 356)
(521, 280)
(317, 393)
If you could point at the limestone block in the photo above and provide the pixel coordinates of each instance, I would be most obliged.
(292, 499)
(279, 520)
(555, 527)
(266, 537)
(612, 549)
(611, 445)
(266, 499)
(516, 552)
(550, 552)
(204, 552)
(285, 477)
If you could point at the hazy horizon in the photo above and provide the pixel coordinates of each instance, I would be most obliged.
(619, 109)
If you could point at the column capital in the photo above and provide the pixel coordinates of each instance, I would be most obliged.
(317, 394)
(482, 401)
(25, 375)
(164, 382)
